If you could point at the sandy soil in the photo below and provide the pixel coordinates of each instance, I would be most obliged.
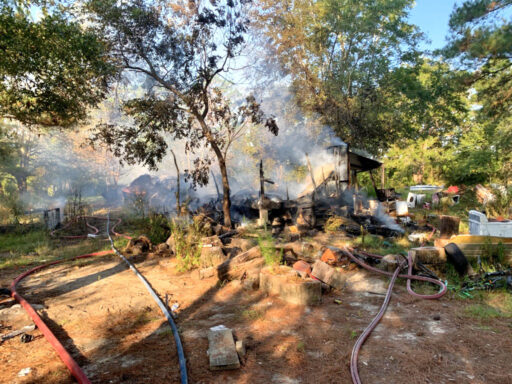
(105, 318)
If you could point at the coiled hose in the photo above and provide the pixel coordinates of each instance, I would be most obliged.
(66, 358)
(409, 276)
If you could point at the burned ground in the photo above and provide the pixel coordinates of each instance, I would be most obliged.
(104, 317)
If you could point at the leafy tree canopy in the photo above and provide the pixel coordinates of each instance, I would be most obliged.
(339, 55)
(181, 47)
(51, 70)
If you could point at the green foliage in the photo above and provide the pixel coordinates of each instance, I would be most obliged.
(10, 201)
(52, 70)
(345, 69)
(479, 32)
(159, 228)
(187, 241)
(492, 256)
(379, 245)
(138, 204)
(501, 205)
(268, 250)
(333, 224)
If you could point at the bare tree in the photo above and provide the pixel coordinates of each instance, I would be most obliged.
(181, 47)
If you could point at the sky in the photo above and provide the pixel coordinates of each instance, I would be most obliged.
(432, 17)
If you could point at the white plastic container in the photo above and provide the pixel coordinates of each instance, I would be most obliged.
(401, 208)
(415, 199)
(479, 225)
(411, 200)
(373, 206)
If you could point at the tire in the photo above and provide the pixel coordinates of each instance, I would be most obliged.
(456, 258)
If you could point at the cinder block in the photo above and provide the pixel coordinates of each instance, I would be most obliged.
(280, 281)
(222, 350)
(329, 275)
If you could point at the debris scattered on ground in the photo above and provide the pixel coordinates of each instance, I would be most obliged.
(10, 335)
(24, 372)
(26, 338)
(138, 246)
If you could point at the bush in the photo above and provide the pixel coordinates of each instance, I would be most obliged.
(268, 250)
(159, 229)
(333, 224)
(187, 242)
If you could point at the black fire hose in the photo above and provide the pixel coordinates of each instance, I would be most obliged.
(163, 308)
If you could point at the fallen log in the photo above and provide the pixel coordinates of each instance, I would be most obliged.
(234, 268)
(242, 271)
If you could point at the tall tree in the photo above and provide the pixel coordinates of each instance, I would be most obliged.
(481, 38)
(181, 47)
(339, 55)
(51, 70)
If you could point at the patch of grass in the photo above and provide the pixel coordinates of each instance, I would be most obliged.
(251, 314)
(18, 243)
(39, 249)
(491, 305)
(301, 347)
(353, 334)
(483, 312)
(268, 250)
(144, 317)
(379, 245)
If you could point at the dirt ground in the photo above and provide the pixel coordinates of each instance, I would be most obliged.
(103, 315)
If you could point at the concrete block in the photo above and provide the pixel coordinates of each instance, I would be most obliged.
(205, 273)
(285, 283)
(389, 263)
(240, 348)
(222, 350)
(212, 256)
(329, 275)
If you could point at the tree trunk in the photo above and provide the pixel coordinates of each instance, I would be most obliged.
(226, 198)
(21, 180)
(178, 205)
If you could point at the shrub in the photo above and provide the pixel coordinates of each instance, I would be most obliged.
(187, 242)
(159, 229)
(268, 250)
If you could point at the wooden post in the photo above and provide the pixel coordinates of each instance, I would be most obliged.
(348, 166)
(373, 180)
(262, 180)
(312, 176)
(382, 176)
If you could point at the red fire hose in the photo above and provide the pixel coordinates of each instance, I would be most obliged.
(72, 365)
(409, 276)
(75, 369)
